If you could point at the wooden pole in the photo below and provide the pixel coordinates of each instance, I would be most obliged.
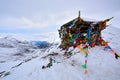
(79, 14)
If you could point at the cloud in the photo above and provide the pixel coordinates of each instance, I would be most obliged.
(38, 21)
(22, 22)
(48, 23)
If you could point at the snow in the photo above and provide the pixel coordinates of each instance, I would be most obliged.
(102, 65)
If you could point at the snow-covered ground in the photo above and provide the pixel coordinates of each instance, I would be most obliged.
(23, 59)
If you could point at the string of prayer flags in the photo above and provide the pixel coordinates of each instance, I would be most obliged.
(83, 35)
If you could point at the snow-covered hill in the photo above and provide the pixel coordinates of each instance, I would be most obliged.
(27, 64)
(14, 49)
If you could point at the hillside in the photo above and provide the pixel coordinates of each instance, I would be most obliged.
(23, 60)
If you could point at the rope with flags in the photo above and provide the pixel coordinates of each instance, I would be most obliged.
(83, 35)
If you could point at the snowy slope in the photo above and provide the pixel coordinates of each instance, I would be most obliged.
(101, 64)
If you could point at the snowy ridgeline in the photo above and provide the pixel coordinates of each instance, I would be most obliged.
(21, 59)
(14, 49)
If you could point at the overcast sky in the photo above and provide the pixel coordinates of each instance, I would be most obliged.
(37, 16)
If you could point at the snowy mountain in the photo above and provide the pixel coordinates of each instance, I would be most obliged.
(21, 59)
(14, 49)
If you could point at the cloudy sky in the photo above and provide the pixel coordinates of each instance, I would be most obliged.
(38, 16)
